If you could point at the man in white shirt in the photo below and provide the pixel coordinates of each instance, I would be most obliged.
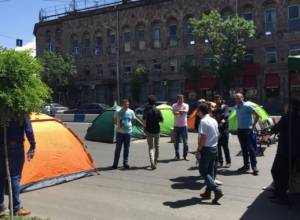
(207, 152)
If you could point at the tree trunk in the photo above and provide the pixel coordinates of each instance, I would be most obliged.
(11, 211)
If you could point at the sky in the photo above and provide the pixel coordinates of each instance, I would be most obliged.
(17, 19)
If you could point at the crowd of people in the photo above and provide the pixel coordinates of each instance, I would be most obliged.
(213, 141)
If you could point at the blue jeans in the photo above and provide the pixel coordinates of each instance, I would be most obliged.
(207, 167)
(183, 133)
(248, 149)
(122, 139)
(16, 161)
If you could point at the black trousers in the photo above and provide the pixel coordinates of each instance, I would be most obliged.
(223, 146)
(280, 173)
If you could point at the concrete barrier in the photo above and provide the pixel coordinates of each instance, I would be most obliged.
(76, 117)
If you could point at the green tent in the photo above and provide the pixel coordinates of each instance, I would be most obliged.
(167, 125)
(294, 63)
(103, 128)
(233, 124)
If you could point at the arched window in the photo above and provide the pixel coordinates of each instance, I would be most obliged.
(173, 33)
(126, 39)
(270, 17)
(75, 44)
(98, 43)
(48, 36)
(58, 34)
(140, 35)
(188, 33)
(156, 35)
(112, 41)
(294, 17)
(86, 44)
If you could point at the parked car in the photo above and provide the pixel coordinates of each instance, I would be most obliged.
(140, 110)
(54, 108)
(89, 108)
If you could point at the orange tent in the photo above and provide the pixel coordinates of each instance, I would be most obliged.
(60, 155)
(192, 121)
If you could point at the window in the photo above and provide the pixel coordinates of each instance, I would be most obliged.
(48, 35)
(294, 50)
(86, 70)
(190, 40)
(99, 70)
(58, 34)
(249, 56)
(294, 18)
(50, 47)
(272, 92)
(156, 38)
(86, 44)
(173, 65)
(112, 41)
(271, 55)
(112, 70)
(248, 16)
(126, 40)
(141, 38)
(207, 60)
(173, 41)
(98, 44)
(270, 21)
(75, 44)
(190, 60)
(156, 66)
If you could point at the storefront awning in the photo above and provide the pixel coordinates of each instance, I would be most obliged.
(295, 80)
(204, 83)
(251, 69)
(249, 82)
(272, 80)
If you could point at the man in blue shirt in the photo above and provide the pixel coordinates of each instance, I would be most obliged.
(246, 124)
(15, 140)
(123, 120)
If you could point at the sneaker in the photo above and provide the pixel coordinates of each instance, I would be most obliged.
(186, 158)
(255, 171)
(244, 169)
(218, 196)
(218, 182)
(2, 211)
(177, 158)
(228, 165)
(126, 166)
(114, 167)
(153, 167)
(206, 195)
(22, 212)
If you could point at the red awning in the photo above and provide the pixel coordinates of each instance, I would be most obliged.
(295, 80)
(272, 80)
(251, 69)
(249, 82)
(201, 84)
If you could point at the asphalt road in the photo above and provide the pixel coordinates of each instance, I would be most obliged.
(171, 192)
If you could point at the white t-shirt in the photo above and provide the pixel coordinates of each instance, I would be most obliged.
(209, 127)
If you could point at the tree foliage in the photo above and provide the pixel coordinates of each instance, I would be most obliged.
(224, 41)
(21, 88)
(59, 71)
(138, 80)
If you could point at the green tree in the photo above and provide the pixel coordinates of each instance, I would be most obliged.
(59, 73)
(21, 92)
(138, 80)
(224, 43)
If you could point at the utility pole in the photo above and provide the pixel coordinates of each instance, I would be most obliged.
(118, 55)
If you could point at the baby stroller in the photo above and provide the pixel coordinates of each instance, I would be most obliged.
(263, 136)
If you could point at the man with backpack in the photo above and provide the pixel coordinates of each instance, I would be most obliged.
(151, 118)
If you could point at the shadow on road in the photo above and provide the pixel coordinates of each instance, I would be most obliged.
(167, 161)
(225, 172)
(187, 182)
(262, 208)
(187, 202)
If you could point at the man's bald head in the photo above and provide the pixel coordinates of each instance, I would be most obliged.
(239, 98)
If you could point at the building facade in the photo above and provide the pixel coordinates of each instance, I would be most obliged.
(157, 34)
